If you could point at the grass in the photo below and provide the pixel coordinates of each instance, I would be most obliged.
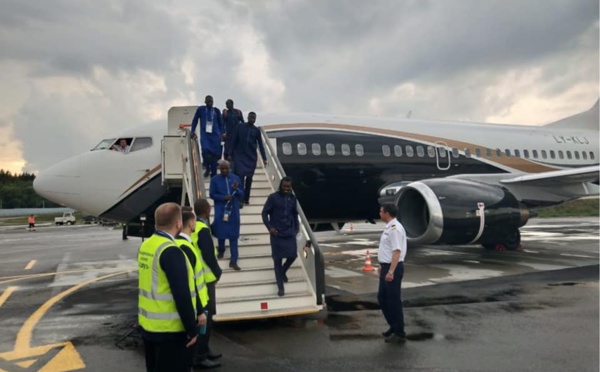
(575, 208)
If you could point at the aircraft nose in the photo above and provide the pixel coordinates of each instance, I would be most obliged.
(61, 183)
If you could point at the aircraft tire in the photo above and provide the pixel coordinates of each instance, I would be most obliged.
(513, 240)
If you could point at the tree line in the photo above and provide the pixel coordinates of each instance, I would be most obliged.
(16, 191)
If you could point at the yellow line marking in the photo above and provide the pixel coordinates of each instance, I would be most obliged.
(10, 279)
(24, 336)
(6, 294)
(30, 265)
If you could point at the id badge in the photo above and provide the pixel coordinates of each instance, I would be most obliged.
(226, 217)
(209, 126)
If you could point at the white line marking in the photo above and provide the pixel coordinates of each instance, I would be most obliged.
(576, 255)
(30, 265)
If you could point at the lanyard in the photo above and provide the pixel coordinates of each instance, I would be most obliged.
(164, 234)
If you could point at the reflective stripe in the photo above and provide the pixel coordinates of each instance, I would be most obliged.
(158, 316)
(155, 263)
(160, 296)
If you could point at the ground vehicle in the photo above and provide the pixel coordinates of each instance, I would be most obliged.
(68, 218)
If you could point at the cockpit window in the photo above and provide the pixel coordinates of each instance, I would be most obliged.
(140, 143)
(104, 144)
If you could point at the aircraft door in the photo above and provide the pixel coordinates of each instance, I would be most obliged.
(442, 155)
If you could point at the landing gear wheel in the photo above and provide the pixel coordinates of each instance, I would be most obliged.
(513, 240)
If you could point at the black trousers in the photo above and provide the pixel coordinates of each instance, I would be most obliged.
(390, 300)
(281, 269)
(247, 182)
(210, 161)
(170, 356)
(203, 349)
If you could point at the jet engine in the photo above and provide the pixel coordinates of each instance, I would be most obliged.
(452, 211)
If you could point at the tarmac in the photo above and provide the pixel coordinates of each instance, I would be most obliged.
(68, 302)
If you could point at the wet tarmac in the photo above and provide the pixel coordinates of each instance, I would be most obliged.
(466, 309)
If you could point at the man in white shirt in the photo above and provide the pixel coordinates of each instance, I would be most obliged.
(122, 147)
(391, 253)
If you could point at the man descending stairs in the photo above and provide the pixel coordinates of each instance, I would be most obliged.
(252, 292)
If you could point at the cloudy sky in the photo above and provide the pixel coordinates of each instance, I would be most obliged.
(73, 71)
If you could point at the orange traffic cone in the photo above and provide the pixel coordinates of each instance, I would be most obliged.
(368, 266)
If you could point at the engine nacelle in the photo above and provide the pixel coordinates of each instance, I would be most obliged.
(448, 211)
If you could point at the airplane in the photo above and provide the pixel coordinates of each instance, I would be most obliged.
(453, 182)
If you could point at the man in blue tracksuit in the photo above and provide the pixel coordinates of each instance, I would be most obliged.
(211, 133)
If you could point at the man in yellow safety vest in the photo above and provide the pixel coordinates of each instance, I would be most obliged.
(167, 307)
(212, 272)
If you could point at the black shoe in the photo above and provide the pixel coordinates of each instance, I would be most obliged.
(241, 206)
(395, 339)
(387, 333)
(220, 255)
(206, 174)
(214, 355)
(234, 266)
(285, 278)
(206, 364)
(281, 292)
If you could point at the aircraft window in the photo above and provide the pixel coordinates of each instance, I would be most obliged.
(104, 144)
(592, 155)
(346, 149)
(477, 152)
(316, 149)
(499, 153)
(552, 154)
(584, 154)
(302, 148)
(535, 154)
(287, 148)
(544, 154)
(398, 150)
(455, 152)
(560, 154)
(386, 150)
(569, 156)
(576, 154)
(431, 151)
(141, 143)
(409, 151)
(468, 153)
(488, 153)
(330, 149)
(360, 151)
(420, 151)
(526, 154)
(442, 152)
(507, 152)
(517, 153)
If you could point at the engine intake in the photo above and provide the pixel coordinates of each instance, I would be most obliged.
(447, 211)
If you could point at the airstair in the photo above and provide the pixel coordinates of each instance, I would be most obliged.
(252, 292)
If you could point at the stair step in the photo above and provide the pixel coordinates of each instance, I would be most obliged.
(256, 274)
(250, 262)
(255, 201)
(254, 240)
(259, 288)
(254, 250)
(257, 303)
(262, 314)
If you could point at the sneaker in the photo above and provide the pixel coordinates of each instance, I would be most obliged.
(234, 266)
(387, 333)
(395, 339)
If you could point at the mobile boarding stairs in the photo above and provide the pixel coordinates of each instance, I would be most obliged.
(252, 292)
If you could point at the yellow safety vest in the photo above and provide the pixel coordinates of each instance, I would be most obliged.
(209, 276)
(156, 307)
(198, 273)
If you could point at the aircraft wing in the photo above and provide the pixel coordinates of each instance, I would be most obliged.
(556, 178)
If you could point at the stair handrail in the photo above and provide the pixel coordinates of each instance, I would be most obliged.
(275, 173)
(192, 165)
